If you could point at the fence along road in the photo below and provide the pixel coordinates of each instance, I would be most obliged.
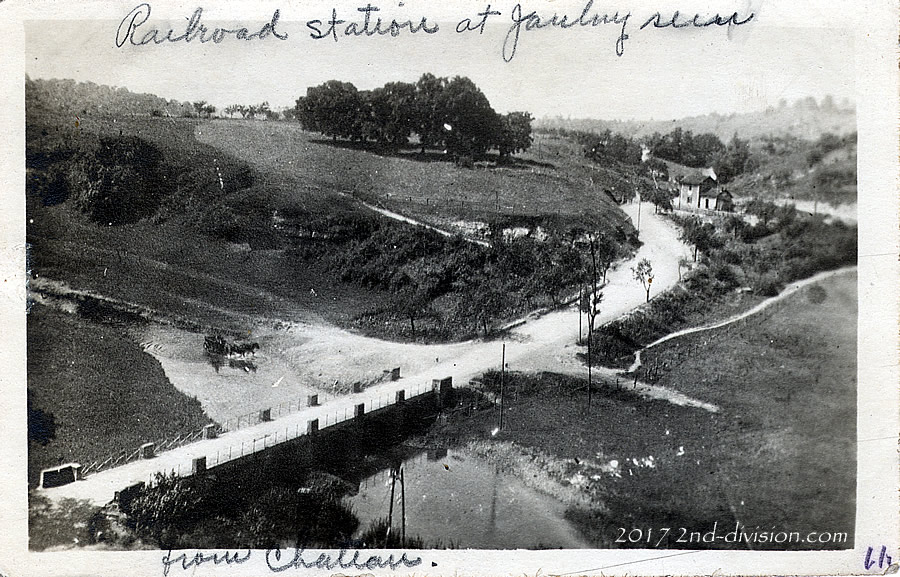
(100, 488)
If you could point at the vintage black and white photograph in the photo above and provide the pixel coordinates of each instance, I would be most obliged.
(356, 277)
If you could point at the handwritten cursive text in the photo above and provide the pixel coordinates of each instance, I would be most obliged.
(195, 30)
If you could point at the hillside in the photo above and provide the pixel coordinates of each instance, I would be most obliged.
(804, 119)
(786, 169)
(98, 409)
(199, 218)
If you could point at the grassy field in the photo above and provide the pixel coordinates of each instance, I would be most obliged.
(302, 165)
(104, 393)
(779, 455)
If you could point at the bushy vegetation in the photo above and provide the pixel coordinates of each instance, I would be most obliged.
(444, 287)
(785, 167)
(118, 170)
(88, 98)
(180, 512)
(679, 146)
(731, 254)
(451, 114)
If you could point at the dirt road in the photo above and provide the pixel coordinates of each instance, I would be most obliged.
(320, 353)
(300, 356)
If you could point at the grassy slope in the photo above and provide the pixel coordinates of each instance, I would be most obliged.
(304, 166)
(296, 173)
(780, 454)
(105, 393)
(786, 378)
(173, 256)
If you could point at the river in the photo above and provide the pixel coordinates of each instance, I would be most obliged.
(457, 500)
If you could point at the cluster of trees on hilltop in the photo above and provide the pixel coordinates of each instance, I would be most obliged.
(680, 146)
(84, 98)
(604, 145)
(703, 150)
(252, 111)
(452, 114)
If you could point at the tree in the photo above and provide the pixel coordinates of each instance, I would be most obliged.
(661, 199)
(209, 109)
(469, 123)
(657, 169)
(643, 272)
(486, 297)
(683, 263)
(605, 251)
(393, 112)
(702, 235)
(763, 209)
(411, 300)
(120, 182)
(162, 508)
(515, 133)
(332, 108)
(427, 120)
(199, 106)
(732, 161)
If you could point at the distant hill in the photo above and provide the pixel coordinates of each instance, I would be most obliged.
(806, 119)
(84, 98)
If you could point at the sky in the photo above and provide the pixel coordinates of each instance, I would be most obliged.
(661, 74)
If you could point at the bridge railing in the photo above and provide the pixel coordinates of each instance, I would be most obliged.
(245, 448)
(292, 431)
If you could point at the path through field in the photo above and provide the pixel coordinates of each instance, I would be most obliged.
(788, 291)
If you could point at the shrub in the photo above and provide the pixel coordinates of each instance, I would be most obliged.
(768, 285)
(118, 183)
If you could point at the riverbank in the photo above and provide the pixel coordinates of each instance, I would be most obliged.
(765, 461)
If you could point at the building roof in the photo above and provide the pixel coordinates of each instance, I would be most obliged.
(697, 178)
(686, 174)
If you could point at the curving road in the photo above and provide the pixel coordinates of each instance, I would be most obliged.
(545, 343)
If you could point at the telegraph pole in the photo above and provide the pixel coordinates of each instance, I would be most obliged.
(391, 508)
(502, 375)
(402, 508)
(639, 213)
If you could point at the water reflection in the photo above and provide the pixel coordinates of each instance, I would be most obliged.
(453, 499)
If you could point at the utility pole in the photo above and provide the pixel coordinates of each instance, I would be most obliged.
(580, 310)
(402, 509)
(502, 375)
(639, 213)
(391, 508)
(592, 313)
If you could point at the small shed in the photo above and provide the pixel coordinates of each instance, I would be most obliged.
(724, 201)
